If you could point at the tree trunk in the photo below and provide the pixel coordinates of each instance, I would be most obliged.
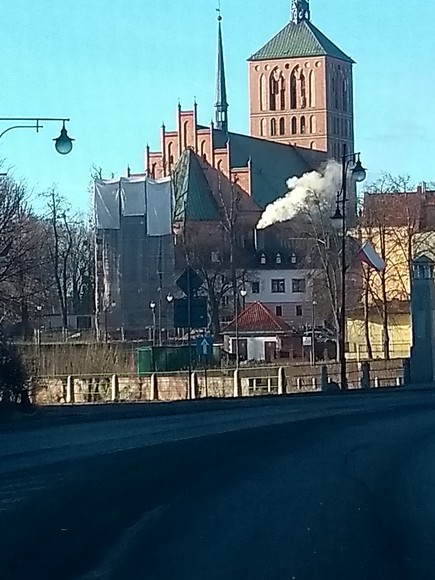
(366, 317)
(386, 341)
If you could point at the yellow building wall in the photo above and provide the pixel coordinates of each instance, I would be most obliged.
(399, 328)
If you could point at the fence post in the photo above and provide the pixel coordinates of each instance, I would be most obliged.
(115, 388)
(237, 387)
(193, 386)
(407, 371)
(324, 378)
(377, 383)
(364, 375)
(299, 383)
(281, 381)
(70, 389)
(314, 383)
(153, 388)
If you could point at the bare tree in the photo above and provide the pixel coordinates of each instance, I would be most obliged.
(70, 253)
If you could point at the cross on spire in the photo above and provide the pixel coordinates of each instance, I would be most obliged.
(300, 10)
(221, 104)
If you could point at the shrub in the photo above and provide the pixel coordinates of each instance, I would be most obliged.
(14, 380)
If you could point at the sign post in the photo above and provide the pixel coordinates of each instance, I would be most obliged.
(204, 347)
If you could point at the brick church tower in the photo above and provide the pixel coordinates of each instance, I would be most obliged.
(300, 88)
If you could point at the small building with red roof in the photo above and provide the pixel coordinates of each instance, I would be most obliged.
(261, 334)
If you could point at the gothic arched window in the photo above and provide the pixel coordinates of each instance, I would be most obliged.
(263, 93)
(282, 92)
(303, 125)
(312, 83)
(303, 91)
(282, 126)
(345, 95)
(262, 127)
(273, 127)
(273, 90)
(185, 133)
(170, 156)
(293, 89)
(294, 126)
(202, 150)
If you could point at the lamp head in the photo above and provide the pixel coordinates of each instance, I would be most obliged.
(63, 143)
(358, 172)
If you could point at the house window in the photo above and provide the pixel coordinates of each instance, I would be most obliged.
(293, 258)
(298, 285)
(255, 287)
(278, 310)
(298, 310)
(263, 258)
(278, 286)
(278, 258)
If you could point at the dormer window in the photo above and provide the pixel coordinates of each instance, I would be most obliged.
(293, 258)
(263, 258)
(278, 258)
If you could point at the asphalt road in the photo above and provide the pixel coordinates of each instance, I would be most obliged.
(331, 487)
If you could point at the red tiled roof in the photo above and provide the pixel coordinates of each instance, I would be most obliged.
(257, 318)
(392, 209)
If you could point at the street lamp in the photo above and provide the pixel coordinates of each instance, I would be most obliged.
(63, 144)
(313, 334)
(352, 162)
(169, 299)
(153, 310)
(243, 293)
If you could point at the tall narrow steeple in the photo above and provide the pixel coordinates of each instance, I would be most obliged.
(300, 11)
(221, 104)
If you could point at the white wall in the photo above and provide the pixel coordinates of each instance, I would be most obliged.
(265, 277)
(256, 347)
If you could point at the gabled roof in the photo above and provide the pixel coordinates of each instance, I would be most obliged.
(257, 318)
(296, 40)
(202, 192)
(194, 200)
(272, 164)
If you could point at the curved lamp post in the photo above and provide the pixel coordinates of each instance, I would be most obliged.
(153, 310)
(351, 164)
(63, 144)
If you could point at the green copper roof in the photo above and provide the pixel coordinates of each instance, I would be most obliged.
(193, 198)
(296, 40)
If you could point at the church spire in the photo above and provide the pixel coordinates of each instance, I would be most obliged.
(221, 104)
(300, 11)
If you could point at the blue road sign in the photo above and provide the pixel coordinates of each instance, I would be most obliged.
(204, 345)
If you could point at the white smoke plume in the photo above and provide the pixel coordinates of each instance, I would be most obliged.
(314, 187)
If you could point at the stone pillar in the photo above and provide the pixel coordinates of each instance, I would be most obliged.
(365, 375)
(237, 384)
(193, 386)
(70, 389)
(115, 388)
(377, 384)
(154, 396)
(281, 381)
(407, 371)
(324, 378)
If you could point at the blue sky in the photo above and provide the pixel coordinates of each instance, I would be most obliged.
(118, 69)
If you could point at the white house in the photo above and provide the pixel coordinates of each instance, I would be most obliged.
(288, 293)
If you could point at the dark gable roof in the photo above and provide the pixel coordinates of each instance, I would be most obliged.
(272, 164)
(201, 191)
(193, 196)
(297, 40)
